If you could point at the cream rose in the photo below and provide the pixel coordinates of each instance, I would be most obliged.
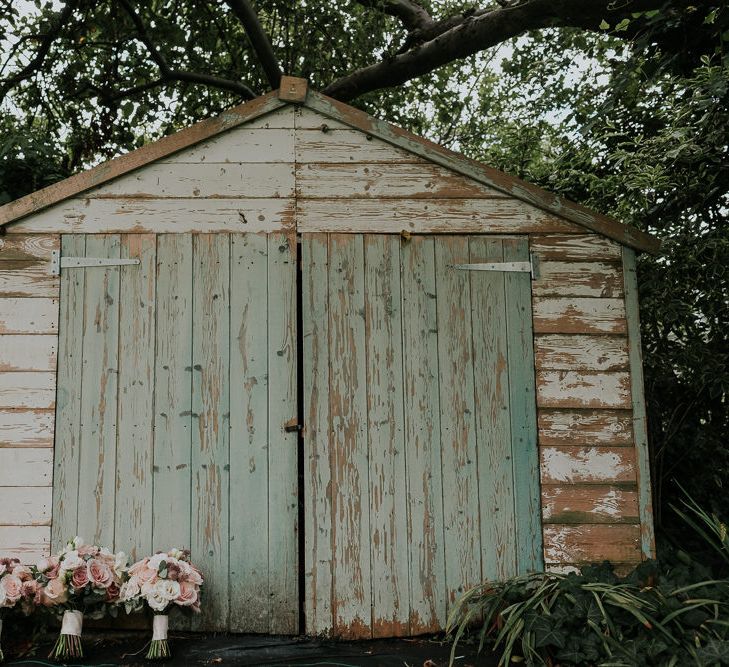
(55, 592)
(71, 561)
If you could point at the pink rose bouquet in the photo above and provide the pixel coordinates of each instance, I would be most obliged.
(81, 579)
(162, 583)
(13, 577)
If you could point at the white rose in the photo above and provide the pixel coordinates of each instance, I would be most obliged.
(120, 563)
(129, 590)
(155, 599)
(168, 589)
(71, 560)
(155, 561)
(176, 553)
(3, 596)
(75, 543)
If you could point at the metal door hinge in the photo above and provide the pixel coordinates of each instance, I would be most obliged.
(531, 267)
(58, 262)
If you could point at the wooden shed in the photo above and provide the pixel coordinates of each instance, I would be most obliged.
(355, 372)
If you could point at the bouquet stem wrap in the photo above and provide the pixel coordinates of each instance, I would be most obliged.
(68, 645)
(159, 647)
(2, 656)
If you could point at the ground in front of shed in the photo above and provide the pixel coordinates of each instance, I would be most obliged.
(125, 648)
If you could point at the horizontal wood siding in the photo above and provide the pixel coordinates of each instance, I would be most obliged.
(588, 462)
(28, 348)
(237, 181)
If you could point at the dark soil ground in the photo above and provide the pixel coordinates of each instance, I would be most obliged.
(107, 648)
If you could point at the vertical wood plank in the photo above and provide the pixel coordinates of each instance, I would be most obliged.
(462, 535)
(68, 397)
(283, 492)
(640, 430)
(249, 441)
(135, 440)
(422, 437)
(318, 455)
(210, 407)
(493, 425)
(385, 427)
(173, 391)
(348, 409)
(99, 394)
(522, 393)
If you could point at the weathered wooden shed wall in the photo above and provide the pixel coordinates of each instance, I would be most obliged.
(28, 345)
(302, 170)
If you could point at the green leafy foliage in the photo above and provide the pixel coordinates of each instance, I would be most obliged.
(597, 618)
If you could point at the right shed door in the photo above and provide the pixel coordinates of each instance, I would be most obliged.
(421, 467)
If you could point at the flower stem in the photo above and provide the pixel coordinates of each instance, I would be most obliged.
(159, 649)
(67, 646)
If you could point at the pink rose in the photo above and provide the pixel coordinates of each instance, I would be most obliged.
(23, 572)
(80, 577)
(188, 594)
(100, 574)
(138, 567)
(13, 587)
(146, 575)
(49, 567)
(55, 593)
(112, 593)
(173, 571)
(88, 550)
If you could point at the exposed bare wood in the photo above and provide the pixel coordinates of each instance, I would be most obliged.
(590, 278)
(618, 543)
(26, 428)
(425, 216)
(588, 465)
(593, 503)
(583, 427)
(29, 543)
(577, 248)
(579, 315)
(575, 352)
(583, 389)
(31, 248)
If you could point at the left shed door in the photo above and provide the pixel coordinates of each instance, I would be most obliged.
(175, 380)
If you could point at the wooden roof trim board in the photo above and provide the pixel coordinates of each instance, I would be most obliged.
(106, 171)
(295, 91)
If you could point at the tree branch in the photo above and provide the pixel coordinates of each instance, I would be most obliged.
(170, 74)
(467, 34)
(54, 28)
(411, 14)
(259, 39)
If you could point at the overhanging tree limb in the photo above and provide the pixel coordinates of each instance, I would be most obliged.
(259, 39)
(54, 29)
(170, 74)
(411, 14)
(477, 31)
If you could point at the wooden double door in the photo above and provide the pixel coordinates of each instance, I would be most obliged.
(351, 435)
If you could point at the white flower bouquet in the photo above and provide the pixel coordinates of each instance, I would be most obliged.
(162, 583)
